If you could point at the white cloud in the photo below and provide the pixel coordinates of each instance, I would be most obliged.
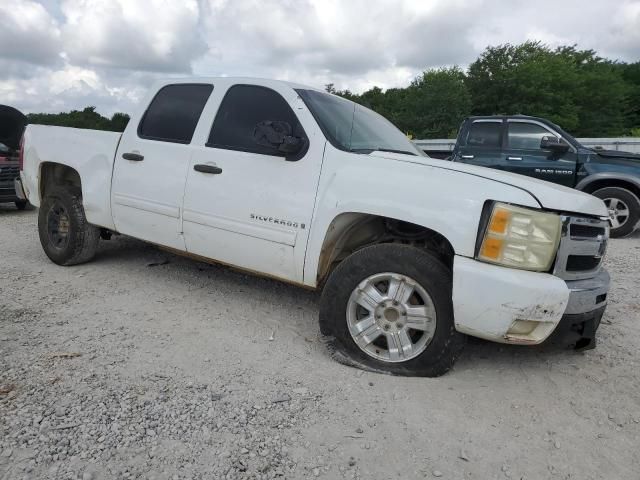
(61, 54)
(152, 35)
(28, 33)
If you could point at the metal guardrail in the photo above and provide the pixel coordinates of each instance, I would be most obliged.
(623, 144)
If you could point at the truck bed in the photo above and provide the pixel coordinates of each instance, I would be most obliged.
(90, 152)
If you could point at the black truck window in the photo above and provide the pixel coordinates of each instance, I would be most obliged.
(174, 112)
(242, 108)
(526, 136)
(484, 134)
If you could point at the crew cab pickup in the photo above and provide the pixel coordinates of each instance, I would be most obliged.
(538, 148)
(411, 253)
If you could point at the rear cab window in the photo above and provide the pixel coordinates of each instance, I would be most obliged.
(485, 134)
(173, 114)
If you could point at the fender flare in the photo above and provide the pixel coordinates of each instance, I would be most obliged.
(585, 182)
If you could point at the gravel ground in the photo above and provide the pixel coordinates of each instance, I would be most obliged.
(142, 364)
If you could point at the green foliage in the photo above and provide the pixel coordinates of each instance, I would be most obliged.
(432, 106)
(437, 101)
(525, 79)
(631, 76)
(584, 93)
(87, 118)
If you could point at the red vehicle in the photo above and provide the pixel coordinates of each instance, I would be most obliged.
(12, 124)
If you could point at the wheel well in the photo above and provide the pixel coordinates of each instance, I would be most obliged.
(598, 184)
(350, 232)
(56, 174)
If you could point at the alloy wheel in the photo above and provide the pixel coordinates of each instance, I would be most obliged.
(391, 317)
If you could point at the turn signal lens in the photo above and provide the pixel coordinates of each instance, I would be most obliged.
(491, 248)
(499, 221)
(520, 238)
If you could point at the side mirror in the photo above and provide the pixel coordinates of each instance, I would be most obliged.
(278, 135)
(553, 144)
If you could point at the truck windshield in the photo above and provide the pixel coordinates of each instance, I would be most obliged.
(354, 128)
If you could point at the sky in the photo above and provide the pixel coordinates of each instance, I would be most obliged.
(57, 55)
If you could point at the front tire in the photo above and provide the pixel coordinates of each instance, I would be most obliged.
(66, 236)
(21, 204)
(388, 308)
(624, 209)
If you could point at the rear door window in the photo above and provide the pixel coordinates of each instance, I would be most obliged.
(174, 112)
(242, 108)
(526, 136)
(485, 134)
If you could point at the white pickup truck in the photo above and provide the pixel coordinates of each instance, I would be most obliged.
(412, 254)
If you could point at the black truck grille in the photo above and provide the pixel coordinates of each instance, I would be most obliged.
(8, 174)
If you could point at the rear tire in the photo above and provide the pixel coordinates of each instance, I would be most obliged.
(66, 236)
(624, 209)
(421, 283)
(21, 204)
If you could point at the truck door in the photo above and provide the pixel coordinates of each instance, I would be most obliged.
(245, 203)
(481, 143)
(151, 165)
(523, 155)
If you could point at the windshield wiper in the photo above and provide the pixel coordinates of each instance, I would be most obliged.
(378, 149)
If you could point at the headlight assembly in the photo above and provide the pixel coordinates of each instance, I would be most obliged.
(520, 237)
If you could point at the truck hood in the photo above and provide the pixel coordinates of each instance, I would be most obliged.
(616, 154)
(549, 195)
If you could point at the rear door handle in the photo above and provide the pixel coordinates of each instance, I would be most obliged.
(134, 157)
(201, 167)
(468, 157)
(514, 159)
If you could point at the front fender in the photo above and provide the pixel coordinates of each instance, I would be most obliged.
(608, 177)
(443, 200)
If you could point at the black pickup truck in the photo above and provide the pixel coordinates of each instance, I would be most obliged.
(538, 148)
(12, 124)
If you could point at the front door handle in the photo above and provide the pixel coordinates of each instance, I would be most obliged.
(514, 159)
(134, 157)
(468, 157)
(201, 167)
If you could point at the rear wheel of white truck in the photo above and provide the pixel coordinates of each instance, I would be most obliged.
(66, 236)
(388, 308)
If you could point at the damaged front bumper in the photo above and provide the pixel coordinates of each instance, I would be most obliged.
(521, 307)
(586, 306)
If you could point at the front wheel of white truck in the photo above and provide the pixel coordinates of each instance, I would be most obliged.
(388, 308)
(66, 236)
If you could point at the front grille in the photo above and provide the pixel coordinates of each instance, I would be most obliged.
(577, 263)
(582, 247)
(8, 174)
(580, 230)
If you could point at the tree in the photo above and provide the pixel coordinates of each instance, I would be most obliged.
(436, 102)
(119, 121)
(577, 89)
(631, 76)
(86, 118)
(330, 88)
(432, 106)
(526, 79)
